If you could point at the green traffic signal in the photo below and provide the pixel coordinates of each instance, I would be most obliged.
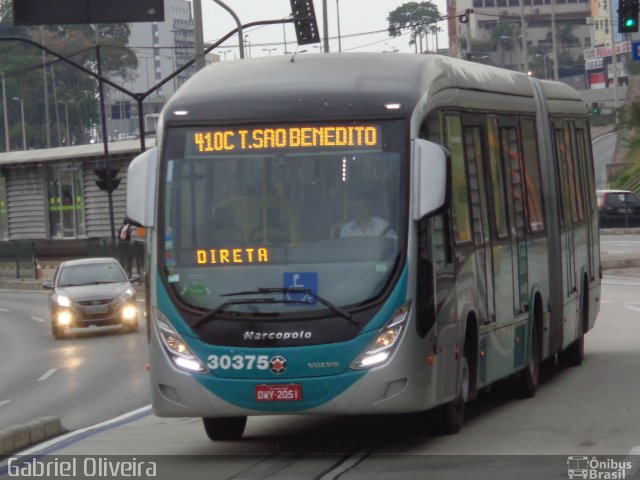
(630, 22)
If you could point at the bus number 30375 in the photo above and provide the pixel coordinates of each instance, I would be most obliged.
(238, 362)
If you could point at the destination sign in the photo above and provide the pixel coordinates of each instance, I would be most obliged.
(299, 137)
(232, 256)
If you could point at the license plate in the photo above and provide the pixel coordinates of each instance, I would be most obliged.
(291, 392)
(96, 309)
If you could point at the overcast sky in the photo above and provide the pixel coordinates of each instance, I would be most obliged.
(357, 19)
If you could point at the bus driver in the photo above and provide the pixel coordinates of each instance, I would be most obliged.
(364, 224)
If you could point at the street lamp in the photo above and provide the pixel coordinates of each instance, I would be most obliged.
(24, 131)
(247, 44)
(269, 50)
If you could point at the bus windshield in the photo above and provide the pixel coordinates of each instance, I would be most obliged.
(314, 207)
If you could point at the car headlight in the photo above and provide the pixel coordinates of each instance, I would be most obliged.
(127, 296)
(180, 354)
(130, 312)
(63, 301)
(382, 346)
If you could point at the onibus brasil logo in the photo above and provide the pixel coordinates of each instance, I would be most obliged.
(592, 468)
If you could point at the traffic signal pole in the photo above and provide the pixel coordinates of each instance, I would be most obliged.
(105, 141)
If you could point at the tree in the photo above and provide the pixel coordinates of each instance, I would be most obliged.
(75, 91)
(419, 18)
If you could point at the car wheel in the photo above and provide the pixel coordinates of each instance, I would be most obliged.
(130, 327)
(58, 332)
(224, 428)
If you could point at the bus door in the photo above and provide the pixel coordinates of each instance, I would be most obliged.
(568, 204)
(512, 161)
(502, 255)
(585, 165)
(473, 140)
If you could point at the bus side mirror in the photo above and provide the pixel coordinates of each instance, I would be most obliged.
(141, 188)
(430, 177)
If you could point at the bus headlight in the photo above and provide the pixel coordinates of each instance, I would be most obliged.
(178, 351)
(382, 346)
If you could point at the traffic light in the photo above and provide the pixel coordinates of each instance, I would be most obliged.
(108, 181)
(304, 21)
(628, 16)
(595, 108)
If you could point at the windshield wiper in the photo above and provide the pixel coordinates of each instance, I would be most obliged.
(293, 290)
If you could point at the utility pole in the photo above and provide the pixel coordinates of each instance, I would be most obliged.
(199, 36)
(614, 62)
(47, 127)
(523, 31)
(325, 29)
(554, 40)
(4, 113)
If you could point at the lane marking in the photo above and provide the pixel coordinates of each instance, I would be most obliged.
(635, 309)
(4, 402)
(4, 310)
(70, 438)
(47, 375)
(38, 319)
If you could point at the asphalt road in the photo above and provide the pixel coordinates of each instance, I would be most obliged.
(93, 376)
(582, 412)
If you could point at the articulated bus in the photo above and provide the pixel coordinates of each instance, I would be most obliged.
(363, 234)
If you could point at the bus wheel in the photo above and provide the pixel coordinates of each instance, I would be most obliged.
(450, 416)
(573, 355)
(527, 382)
(224, 428)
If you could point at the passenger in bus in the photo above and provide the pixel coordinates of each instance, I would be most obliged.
(364, 224)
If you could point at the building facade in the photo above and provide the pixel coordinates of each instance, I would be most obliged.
(51, 195)
(161, 49)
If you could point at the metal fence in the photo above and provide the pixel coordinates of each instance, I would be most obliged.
(18, 259)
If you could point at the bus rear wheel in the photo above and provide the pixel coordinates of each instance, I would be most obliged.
(573, 355)
(527, 382)
(224, 428)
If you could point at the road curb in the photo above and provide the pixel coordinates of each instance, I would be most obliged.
(618, 263)
(19, 437)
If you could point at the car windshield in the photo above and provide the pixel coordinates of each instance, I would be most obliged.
(90, 274)
(312, 207)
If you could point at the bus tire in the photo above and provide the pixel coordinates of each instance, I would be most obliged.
(224, 428)
(573, 355)
(450, 416)
(528, 379)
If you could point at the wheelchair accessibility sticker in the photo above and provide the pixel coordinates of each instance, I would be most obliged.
(306, 280)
